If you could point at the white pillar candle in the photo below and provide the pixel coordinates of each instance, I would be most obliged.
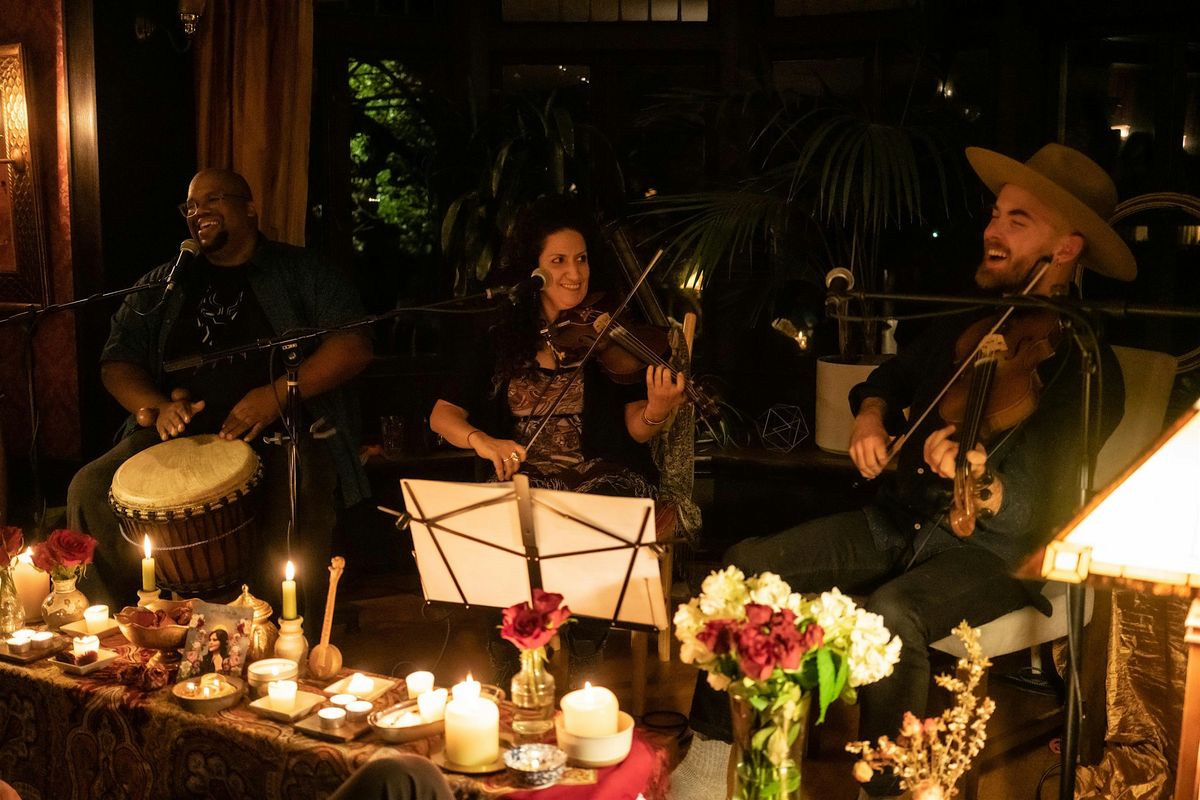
(95, 617)
(432, 705)
(282, 695)
(360, 685)
(590, 711)
(332, 717)
(84, 644)
(472, 731)
(32, 585)
(342, 700)
(418, 683)
(467, 690)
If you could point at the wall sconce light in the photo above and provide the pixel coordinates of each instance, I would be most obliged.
(190, 12)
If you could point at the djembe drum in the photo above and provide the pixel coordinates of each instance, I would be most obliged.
(195, 497)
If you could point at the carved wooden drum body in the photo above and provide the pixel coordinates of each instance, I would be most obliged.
(196, 498)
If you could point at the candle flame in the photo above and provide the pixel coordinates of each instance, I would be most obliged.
(587, 686)
(27, 556)
(289, 573)
(469, 678)
(146, 544)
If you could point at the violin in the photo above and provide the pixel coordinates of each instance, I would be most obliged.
(623, 349)
(999, 390)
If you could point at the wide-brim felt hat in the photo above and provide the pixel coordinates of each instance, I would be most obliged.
(1076, 187)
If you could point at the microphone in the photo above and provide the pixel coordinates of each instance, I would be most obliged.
(537, 280)
(188, 250)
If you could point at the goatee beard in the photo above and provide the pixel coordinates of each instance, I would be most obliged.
(218, 241)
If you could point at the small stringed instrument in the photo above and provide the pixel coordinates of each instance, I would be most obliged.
(325, 660)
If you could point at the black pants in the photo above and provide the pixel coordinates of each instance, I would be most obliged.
(948, 581)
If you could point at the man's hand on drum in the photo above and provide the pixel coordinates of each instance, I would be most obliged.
(258, 409)
(170, 417)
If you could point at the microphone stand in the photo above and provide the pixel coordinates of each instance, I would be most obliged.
(29, 318)
(1079, 315)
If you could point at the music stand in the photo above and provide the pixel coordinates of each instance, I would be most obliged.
(492, 544)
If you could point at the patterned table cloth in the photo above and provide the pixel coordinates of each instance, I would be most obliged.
(64, 737)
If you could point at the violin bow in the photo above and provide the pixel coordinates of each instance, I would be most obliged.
(583, 361)
(899, 441)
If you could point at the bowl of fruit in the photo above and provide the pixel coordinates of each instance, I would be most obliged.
(160, 625)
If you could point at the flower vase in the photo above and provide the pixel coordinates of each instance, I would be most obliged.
(532, 692)
(766, 756)
(64, 604)
(12, 613)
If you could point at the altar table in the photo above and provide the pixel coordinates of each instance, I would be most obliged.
(64, 737)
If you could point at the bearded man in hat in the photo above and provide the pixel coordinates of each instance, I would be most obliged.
(901, 550)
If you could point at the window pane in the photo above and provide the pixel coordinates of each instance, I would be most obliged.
(695, 10)
(575, 10)
(664, 10)
(605, 10)
(635, 10)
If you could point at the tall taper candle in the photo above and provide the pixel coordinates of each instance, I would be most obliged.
(147, 567)
(289, 592)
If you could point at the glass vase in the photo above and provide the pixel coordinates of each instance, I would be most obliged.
(12, 613)
(532, 691)
(64, 604)
(767, 763)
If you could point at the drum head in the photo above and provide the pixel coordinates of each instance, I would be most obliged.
(185, 473)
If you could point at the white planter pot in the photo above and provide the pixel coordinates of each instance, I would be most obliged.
(836, 376)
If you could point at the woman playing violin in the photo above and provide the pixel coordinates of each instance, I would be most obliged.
(595, 440)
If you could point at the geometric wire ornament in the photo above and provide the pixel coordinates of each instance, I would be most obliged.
(782, 427)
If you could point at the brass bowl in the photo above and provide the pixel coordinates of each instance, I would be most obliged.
(164, 638)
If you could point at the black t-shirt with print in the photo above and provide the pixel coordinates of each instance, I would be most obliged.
(219, 311)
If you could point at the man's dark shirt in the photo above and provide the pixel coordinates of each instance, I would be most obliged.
(1038, 461)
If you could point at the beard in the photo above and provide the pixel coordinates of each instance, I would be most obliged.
(1012, 278)
(218, 241)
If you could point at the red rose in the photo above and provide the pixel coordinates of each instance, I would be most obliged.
(530, 626)
(756, 652)
(718, 635)
(43, 559)
(12, 541)
(71, 548)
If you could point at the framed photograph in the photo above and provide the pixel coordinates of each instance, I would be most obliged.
(218, 640)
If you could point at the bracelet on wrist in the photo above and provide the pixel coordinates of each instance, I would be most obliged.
(469, 435)
(653, 423)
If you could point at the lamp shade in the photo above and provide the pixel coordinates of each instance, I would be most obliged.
(1145, 527)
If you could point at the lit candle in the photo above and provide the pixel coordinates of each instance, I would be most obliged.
(472, 727)
(147, 566)
(265, 670)
(332, 717)
(282, 695)
(360, 685)
(32, 585)
(342, 700)
(41, 640)
(467, 690)
(190, 689)
(357, 711)
(432, 705)
(95, 617)
(289, 592)
(25, 633)
(418, 683)
(407, 720)
(81, 645)
(18, 646)
(590, 711)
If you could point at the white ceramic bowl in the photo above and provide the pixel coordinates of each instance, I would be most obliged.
(596, 751)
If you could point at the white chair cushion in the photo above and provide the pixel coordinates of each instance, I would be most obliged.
(1024, 628)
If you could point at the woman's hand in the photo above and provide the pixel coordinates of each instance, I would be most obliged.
(869, 439)
(664, 394)
(505, 454)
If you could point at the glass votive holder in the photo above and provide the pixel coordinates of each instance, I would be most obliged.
(432, 705)
(342, 700)
(360, 685)
(82, 645)
(358, 710)
(332, 717)
(418, 683)
(95, 617)
(282, 695)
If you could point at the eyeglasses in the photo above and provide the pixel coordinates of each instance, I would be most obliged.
(191, 208)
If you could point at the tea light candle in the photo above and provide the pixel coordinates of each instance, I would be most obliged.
(81, 645)
(432, 705)
(265, 670)
(408, 719)
(472, 730)
(95, 617)
(332, 717)
(358, 710)
(147, 567)
(590, 711)
(212, 680)
(282, 694)
(25, 633)
(32, 584)
(289, 592)
(18, 645)
(41, 640)
(342, 700)
(190, 689)
(359, 684)
(467, 690)
(418, 683)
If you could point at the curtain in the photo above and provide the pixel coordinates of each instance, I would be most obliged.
(254, 65)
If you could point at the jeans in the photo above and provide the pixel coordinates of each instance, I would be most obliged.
(920, 596)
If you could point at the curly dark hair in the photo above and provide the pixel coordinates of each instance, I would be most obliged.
(516, 334)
